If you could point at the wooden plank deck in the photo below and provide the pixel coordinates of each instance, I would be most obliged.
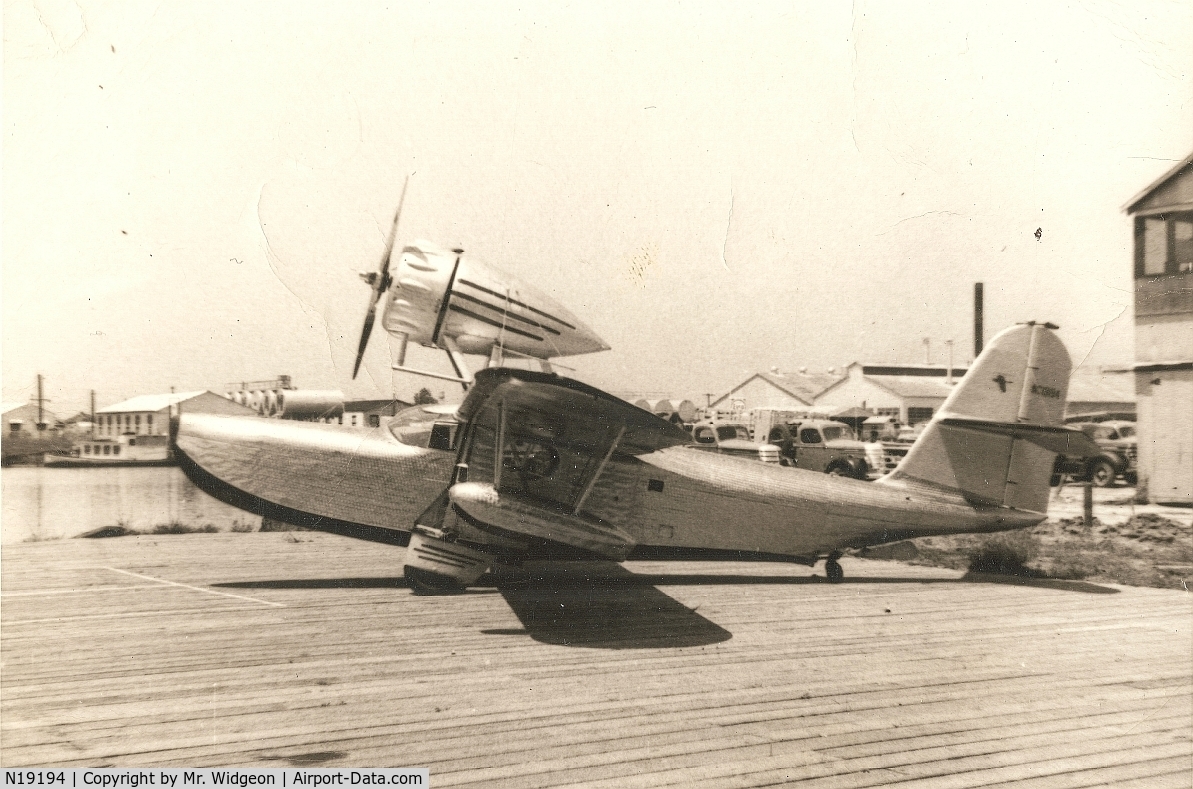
(307, 649)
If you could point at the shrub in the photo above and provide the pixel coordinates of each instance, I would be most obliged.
(1006, 554)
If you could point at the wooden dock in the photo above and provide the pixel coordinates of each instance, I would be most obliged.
(307, 649)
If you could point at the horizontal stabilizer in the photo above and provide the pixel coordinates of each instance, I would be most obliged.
(1061, 440)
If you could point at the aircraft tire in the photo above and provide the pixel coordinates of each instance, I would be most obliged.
(833, 570)
(425, 582)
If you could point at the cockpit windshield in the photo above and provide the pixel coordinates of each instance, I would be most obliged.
(429, 427)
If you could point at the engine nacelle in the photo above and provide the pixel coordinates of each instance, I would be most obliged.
(440, 293)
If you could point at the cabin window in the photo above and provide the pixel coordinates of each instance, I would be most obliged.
(132, 442)
(420, 427)
(107, 449)
(374, 420)
(149, 423)
(137, 421)
(1164, 244)
(86, 449)
(809, 435)
(443, 435)
(116, 450)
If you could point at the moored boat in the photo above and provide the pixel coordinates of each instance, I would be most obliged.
(122, 450)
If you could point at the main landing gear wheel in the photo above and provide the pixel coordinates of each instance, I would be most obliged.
(832, 569)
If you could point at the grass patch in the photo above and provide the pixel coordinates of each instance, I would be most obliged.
(1146, 550)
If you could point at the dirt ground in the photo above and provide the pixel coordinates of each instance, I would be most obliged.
(1131, 544)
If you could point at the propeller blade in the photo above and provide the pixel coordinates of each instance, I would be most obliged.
(379, 283)
(365, 333)
(393, 234)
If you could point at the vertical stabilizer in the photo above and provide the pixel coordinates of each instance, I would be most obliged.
(994, 439)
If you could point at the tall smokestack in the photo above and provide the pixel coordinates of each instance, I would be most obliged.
(977, 319)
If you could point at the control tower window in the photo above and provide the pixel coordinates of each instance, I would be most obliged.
(1164, 244)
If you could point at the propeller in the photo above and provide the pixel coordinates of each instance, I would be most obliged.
(379, 282)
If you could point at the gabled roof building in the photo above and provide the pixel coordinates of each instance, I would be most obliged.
(787, 391)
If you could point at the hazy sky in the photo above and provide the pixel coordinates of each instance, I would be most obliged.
(190, 187)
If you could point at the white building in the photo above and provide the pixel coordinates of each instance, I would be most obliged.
(149, 415)
(911, 393)
(1163, 215)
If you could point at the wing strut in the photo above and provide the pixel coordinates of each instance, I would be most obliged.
(498, 445)
(596, 475)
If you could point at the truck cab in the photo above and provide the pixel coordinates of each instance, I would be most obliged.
(828, 446)
(726, 438)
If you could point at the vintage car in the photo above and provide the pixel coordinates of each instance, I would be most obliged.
(1116, 441)
(815, 444)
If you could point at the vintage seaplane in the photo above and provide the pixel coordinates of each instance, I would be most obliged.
(533, 465)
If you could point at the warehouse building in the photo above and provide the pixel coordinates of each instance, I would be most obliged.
(778, 390)
(1163, 219)
(23, 418)
(911, 393)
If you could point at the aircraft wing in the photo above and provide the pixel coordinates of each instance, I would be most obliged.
(364, 484)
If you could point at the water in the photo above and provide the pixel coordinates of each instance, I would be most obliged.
(51, 503)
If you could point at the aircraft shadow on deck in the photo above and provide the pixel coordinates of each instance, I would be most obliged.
(605, 606)
(571, 581)
(603, 615)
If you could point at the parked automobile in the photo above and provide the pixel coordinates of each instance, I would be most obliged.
(815, 444)
(1116, 441)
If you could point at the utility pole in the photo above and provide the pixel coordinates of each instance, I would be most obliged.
(927, 350)
(977, 319)
(41, 420)
(949, 380)
(93, 413)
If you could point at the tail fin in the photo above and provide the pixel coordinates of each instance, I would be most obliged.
(994, 439)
